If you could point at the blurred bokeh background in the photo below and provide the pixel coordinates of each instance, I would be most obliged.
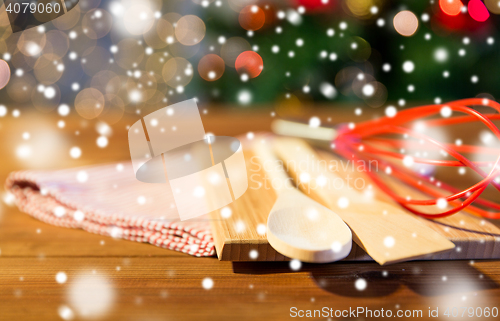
(106, 58)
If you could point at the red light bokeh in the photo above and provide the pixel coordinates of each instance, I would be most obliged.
(451, 7)
(252, 17)
(250, 63)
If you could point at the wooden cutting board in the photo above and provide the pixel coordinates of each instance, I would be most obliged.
(241, 236)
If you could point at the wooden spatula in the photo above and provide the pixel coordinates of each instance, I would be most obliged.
(299, 227)
(386, 232)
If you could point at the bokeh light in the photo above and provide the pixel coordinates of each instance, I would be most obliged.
(359, 49)
(46, 98)
(211, 67)
(135, 53)
(238, 5)
(249, 63)
(48, 71)
(113, 110)
(129, 53)
(4, 73)
(345, 78)
(31, 42)
(232, 48)
(405, 23)
(21, 63)
(148, 83)
(165, 27)
(252, 17)
(190, 30)
(19, 89)
(177, 72)
(80, 42)
(154, 65)
(493, 6)
(87, 5)
(97, 23)
(102, 82)
(57, 44)
(138, 19)
(152, 38)
(477, 10)
(359, 8)
(96, 61)
(177, 49)
(89, 103)
(451, 7)
(68, 20)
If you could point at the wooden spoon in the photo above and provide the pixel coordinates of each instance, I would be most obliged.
(299, 227)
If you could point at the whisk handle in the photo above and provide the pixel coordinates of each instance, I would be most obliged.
(299, 130)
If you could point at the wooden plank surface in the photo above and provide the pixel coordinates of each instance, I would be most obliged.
(382, 229)
(474, 237)
(157, 284)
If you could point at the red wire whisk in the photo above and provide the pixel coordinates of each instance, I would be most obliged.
(375, 140)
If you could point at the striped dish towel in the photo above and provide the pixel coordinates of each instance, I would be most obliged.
(108, 200)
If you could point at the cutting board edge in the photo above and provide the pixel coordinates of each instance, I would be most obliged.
(464, 250)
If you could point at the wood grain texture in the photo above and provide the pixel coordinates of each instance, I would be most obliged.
(383, 230)
(157, 284)
(237, 235)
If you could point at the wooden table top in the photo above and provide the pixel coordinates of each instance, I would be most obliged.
(134, 281)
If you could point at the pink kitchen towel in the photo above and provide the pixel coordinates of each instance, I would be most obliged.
(109, 200)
